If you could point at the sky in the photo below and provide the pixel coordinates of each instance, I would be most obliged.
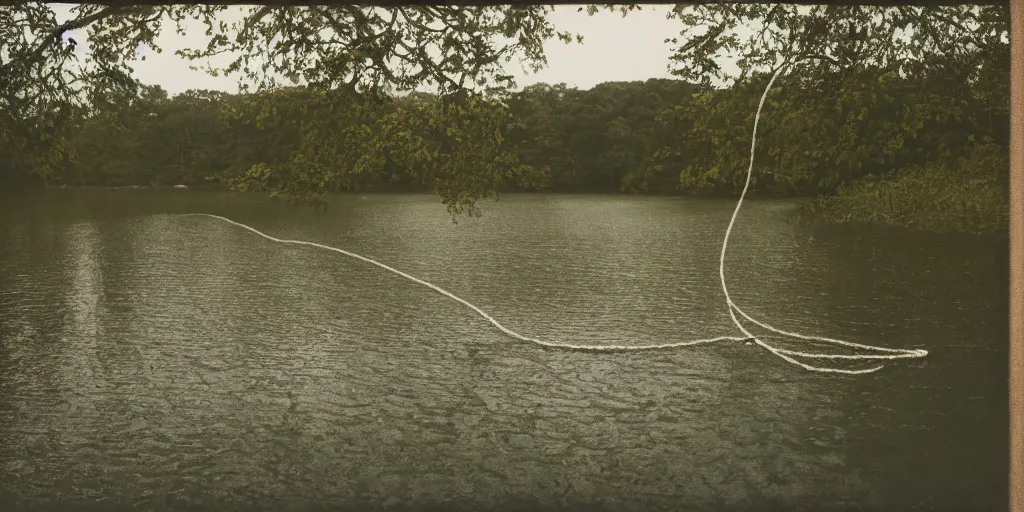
(614, 49)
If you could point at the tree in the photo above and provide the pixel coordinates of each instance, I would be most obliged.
(369, 51)
(865, 83)
(832, 38)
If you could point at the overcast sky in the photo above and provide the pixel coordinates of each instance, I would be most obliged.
(614, 49)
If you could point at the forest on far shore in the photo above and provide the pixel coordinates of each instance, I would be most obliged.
(884, 115)
(899, 152)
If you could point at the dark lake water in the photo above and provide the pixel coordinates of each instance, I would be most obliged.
(155, 362)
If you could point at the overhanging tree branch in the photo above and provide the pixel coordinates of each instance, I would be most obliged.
(469, 3)
(50, 39)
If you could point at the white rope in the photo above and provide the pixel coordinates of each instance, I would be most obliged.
(787, 355)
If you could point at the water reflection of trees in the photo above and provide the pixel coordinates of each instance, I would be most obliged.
(897, 289)
(32, 322)
(307, 363)
(948, 294)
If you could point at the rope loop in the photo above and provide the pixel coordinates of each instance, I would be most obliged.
(878, 353)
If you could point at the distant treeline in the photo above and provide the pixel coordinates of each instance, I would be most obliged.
(928, 151)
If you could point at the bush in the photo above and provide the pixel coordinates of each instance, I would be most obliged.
(967, 194)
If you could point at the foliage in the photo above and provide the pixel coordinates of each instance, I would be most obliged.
(892, 92)
(962, 195)
(457, 146)
(834, 40)
(337, 50)
(877, 103)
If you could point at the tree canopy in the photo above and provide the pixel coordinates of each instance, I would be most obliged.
(871, 88)
(336, 49)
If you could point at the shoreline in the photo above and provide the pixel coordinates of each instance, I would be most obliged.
(806, 206)
(227, 188)
(136, 187)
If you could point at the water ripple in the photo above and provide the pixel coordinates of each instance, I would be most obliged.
(146, 364)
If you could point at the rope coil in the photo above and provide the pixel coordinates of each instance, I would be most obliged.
(734, 310)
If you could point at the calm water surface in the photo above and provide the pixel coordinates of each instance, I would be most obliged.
(154, 362)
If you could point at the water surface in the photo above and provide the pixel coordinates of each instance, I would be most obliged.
(152, 362)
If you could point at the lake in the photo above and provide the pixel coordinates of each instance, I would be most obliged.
(155, 362)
